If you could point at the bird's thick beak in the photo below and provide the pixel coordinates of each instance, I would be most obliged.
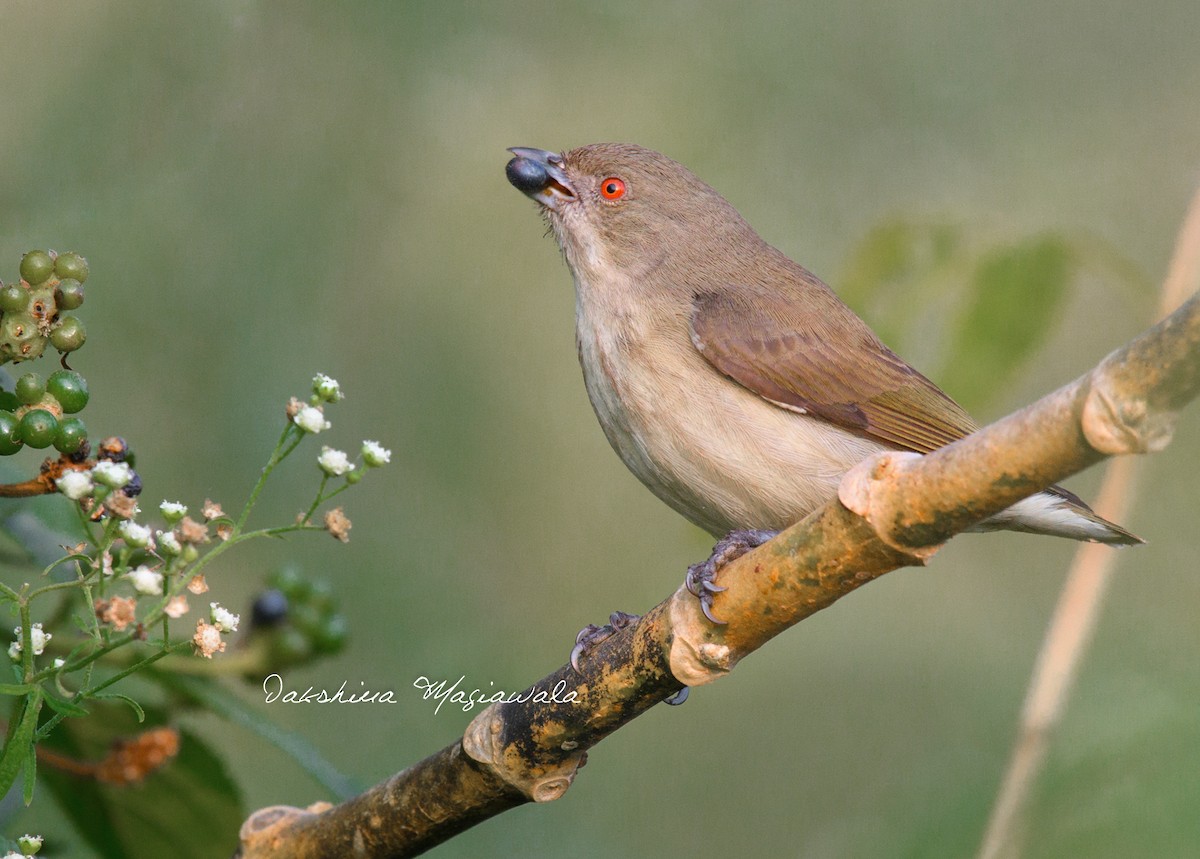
(539, 175)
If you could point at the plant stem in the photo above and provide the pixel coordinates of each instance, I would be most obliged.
(277, 456)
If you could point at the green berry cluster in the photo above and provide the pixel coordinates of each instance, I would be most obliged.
(300, 615)
(30, 311)
(38, 412)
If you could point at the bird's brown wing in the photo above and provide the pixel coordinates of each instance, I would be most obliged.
(804, 350)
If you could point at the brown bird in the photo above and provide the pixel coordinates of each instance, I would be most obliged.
(732, 381)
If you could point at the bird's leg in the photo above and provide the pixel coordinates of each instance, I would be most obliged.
(732, 546)
(699, 581)
(591, 635)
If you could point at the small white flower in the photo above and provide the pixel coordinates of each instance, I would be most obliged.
(172, 511)
(327, 389)
(335, 463)
(223, 619)
(137, 536)
(13, 854)
(168, 543)
(37, 639)
(59, 662)
(374, 454)
(145, 580)
(14, 651)
(30, 844)
(75, 484)
(311, 419)
(114, 474)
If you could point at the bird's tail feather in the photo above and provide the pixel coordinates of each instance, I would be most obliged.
(1061, 514)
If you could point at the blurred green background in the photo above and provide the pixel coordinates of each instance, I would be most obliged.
(269, 190)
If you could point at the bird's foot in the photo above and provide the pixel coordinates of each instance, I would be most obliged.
(732, 546)
(591, 635)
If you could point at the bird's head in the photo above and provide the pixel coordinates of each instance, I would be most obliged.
(617, 206)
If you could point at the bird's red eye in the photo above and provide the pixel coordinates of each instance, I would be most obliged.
(612, 188)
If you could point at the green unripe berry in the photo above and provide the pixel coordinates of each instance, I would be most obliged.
(9, 401)
(69, 388)
(67, 295)
(19, 326)
(321, 596)
(307, 618)
(13, 298)
(71, 266)
(353, 477)
(289, 646)
(69, 335)
(30, 388)
(41, 303)
(38, 428)
(19, 337)
(10, 439)
(293, 585)
(36, 267)
(71, 435)
(330, 636)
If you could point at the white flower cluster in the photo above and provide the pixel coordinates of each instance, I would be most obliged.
(145, 580)
(311, 419)
(335, 463)
(223, 619)
(327, 389)
(37, 640)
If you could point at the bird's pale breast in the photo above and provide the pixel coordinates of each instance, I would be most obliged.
(717, 453)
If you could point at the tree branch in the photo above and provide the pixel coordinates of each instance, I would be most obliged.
(892, 510)
(43, 484)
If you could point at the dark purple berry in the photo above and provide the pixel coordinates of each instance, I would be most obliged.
(269, 609)
(133, 488)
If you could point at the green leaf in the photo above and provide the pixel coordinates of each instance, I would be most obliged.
(890, 270)
(1017, 294)
(42, 531)
(63, 706)
(30, 770)
(80, 799)
(15, 688)
(85, 624)
(20, 744)
(137, 708)
(189, 809)
(894, 252)
(215, 697)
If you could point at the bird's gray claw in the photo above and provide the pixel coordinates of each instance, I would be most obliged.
(591, 635)
(619, 620)
(699, 579)
(586, 638)
(679, 697)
